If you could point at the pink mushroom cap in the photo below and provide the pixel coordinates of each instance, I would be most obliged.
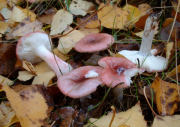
(117, 70)
(75, 84)
(94, 42)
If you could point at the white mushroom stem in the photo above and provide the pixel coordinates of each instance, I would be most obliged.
(55, 63)
(148, 35)
(145, 56)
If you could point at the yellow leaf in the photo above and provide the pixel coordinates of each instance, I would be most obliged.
(19, 14)
(166, 96)
(61, 20)
(3, 27)
(112, 17)
(131, 118)
(167, 121)
(3, 4)
(29, 105)
(7, 115)
(67, 42)
(134, 14)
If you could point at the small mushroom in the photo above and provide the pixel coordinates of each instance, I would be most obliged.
(80, 82)
(144, 57)
(35, 47)
(117, 70)
(94, 42)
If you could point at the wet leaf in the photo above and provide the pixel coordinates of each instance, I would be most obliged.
(112, 16)
(167, 121)
(30, 105)
(7, 115)
(166, 96)
(61, 20)
(7, 58)
(132, 117)
(80, 7)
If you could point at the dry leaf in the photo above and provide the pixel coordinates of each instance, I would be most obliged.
(41, 72)
(144, 8)
(172, 73)
(6, 13)
(80, 7)
(89, 31)
(67, 42)
(3, 27)
(132, 117)
(167, 22)
(25, 27)
(3, 4)
(89, 21)
(19, 14)
(7, 115)
(167, 97)
(60, 22)
(5, 81)
(169, 49)
(112, 17)
(60, 55)
(29, 105)
(24, 75)
(167, 121)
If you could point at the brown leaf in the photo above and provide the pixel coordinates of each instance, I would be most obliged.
(166, 96)
(7, 58)
(173, 72)
(29, 105)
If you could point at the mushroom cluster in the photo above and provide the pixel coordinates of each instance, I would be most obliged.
(112, 71)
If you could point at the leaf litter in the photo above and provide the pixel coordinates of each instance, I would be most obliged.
(68, 22)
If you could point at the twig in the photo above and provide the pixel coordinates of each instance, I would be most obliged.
(113, 116)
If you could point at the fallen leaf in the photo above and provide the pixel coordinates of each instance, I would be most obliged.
(24, 75)
(166, 121)
(3, 27)
(5, 81)
(81, 7)
(132, 117)
(3, 4)
(24, 28)
(112, 16)
(41, 72)
(144, 8)
(7, 58)
(169, 49)
(67, 42)
(134, 14)
(175, 4)
(89, 31)
(173, 72)
(60, 22)
(29, 105)
(19, 14)
(167, 22)
(166, 96)
(60, 55)
(6, 13)
(89, 21)
(7, 115)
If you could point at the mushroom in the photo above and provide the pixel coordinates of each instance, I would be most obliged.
(94, 42)
(144, 57)
(80, 82)
(36, 46)
(117, 70)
